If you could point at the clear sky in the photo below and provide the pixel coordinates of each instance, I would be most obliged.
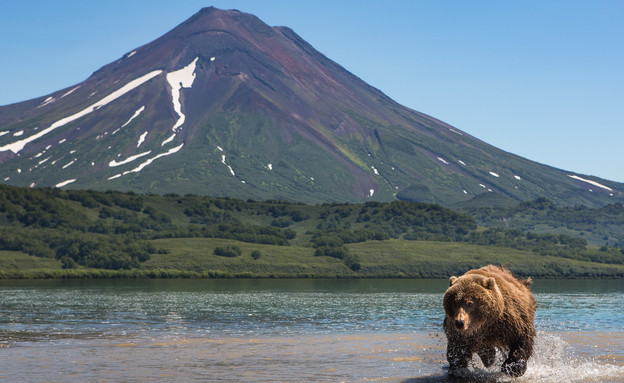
(541, 79)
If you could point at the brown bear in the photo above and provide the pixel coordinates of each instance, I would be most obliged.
(489, 308)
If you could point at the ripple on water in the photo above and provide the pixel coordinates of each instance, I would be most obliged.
(294, 331)
(405, 358)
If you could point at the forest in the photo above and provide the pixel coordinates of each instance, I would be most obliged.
(73, 233)
(601, 227)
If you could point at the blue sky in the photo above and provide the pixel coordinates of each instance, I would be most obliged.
(540, 79)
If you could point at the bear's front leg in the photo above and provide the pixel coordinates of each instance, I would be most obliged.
(487, 355)
(516, 363)
(519, 353)
(458, 357)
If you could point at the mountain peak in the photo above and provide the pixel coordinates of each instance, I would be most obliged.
(226, 105)
(212, 19)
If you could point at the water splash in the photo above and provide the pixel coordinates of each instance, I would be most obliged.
(554, 361)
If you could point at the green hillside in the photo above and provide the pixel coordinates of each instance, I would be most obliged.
(51, 233)
(603, 226)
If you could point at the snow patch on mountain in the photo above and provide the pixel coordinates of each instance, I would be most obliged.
(70, 91)
(149, 161)
(224, 162)
(69, 164)
(61, 184)
(182, 78)
(141, 139)
(590, 182)
(17, 146)
(168, 140)
(456, 132)
(47, 101)
(135, 115)
(114, 163)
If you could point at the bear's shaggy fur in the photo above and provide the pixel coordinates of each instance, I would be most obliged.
(489, 308)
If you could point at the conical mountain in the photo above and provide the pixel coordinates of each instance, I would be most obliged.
(225, 105)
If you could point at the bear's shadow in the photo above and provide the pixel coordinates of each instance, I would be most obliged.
(445, 378)
(476, 376)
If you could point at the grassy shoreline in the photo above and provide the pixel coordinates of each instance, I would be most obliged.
(177, 274)
(194, 258)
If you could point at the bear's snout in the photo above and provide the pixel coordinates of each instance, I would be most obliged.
(459, 324)
(461, 321)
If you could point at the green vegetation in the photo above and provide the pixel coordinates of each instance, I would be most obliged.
(51, 233)
(230, 251)
(599, 227)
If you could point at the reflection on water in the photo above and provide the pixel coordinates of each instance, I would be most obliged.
(292, 331)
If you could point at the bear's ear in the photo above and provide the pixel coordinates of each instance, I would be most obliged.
(489, 283)
(452, 280)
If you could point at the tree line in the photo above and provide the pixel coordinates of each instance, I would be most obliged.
(113, 230)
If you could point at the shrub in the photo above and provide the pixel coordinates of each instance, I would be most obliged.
(352, 261)
(281, 222)
(230, 251)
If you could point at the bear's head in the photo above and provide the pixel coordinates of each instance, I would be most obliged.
(471, 301)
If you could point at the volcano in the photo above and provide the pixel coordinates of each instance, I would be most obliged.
(225, 105)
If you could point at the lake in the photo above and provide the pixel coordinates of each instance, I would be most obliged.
(271, 330)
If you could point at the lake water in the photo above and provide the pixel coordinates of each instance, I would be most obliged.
(284, 330)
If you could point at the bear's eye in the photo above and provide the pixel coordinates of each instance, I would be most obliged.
(469, 304)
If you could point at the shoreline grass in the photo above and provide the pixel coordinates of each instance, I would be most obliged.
(194, 258)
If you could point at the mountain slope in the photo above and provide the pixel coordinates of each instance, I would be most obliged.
(225, 105)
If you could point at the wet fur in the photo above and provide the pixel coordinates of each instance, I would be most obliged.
(495, 310)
